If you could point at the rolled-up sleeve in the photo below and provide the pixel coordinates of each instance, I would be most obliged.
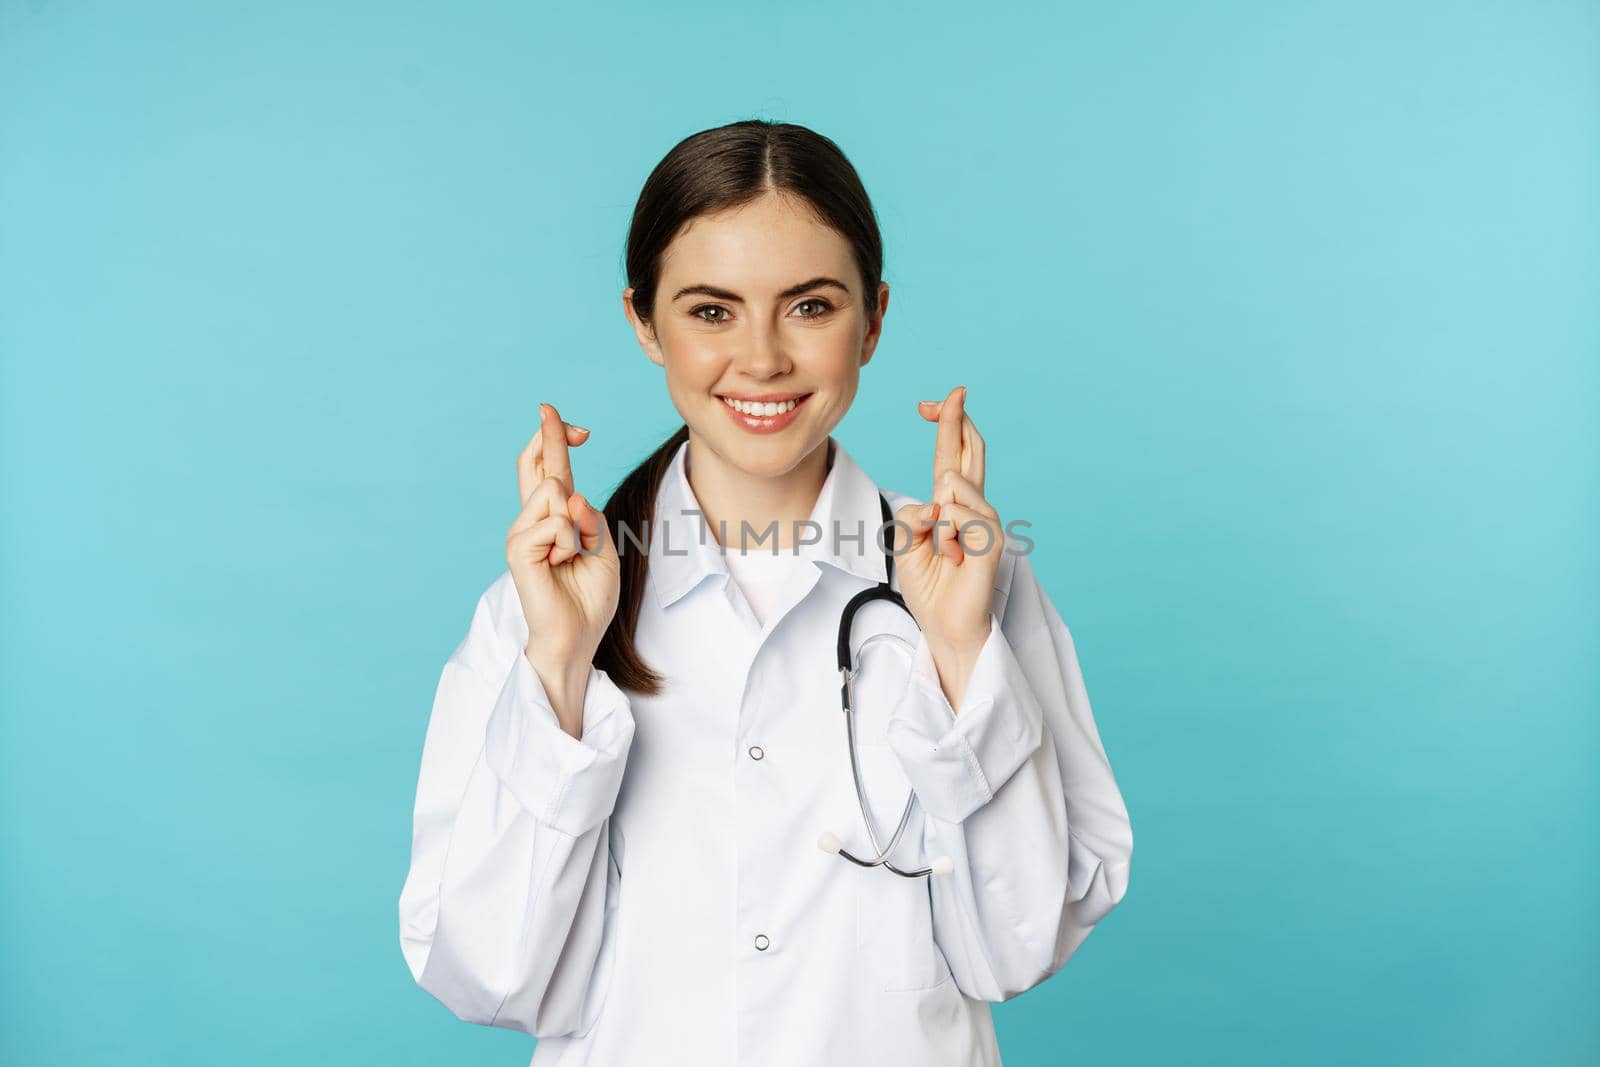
(506, 914)
(567, 783)
(956, 762)
(1018, 793)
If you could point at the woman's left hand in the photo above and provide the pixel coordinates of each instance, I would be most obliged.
(947, 574)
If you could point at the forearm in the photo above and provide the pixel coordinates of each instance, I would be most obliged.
(505, 909)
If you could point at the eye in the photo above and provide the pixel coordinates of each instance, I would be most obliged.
(710, 307)
(823, 307)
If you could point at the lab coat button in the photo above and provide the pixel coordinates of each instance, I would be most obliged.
(756, 752)
(762, 942)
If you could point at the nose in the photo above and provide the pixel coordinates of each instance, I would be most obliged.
(762, 355)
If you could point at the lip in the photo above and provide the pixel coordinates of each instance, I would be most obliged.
(764, 423)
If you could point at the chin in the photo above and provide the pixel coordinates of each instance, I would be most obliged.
(763, 455)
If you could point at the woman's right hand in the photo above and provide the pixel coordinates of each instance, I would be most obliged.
(568, 597)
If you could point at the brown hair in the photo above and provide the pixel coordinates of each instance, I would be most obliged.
(705, 173)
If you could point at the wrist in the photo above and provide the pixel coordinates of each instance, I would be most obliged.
(960, 646)
(954, 659)
(565, 685)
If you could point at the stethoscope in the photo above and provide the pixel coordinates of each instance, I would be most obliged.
(848, 668)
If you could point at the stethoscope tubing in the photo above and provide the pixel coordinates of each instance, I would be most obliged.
(848, 667)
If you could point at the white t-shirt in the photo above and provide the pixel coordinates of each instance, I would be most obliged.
(761, 575)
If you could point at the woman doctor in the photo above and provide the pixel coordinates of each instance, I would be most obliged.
(635, 749)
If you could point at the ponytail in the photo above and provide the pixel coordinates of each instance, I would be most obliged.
(632, 507)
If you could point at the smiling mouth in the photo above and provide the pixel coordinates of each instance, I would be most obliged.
(765, 407)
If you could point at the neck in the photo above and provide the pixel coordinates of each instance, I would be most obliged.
(730, 496)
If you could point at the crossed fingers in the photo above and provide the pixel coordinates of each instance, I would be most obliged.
(958, 476)
(958, 446)
(544, 469)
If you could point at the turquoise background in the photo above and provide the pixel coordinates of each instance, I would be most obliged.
(1280, 320)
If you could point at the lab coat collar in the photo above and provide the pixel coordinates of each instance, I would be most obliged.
(684, 552)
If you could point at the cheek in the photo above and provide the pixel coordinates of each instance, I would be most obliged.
(691, 362)
(835, 361)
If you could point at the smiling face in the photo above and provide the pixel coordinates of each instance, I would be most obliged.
(762, 327)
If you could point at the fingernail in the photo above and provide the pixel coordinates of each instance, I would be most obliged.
(580, 429)
(926, 512)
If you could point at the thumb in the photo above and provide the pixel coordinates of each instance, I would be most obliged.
(591, 523)
(919, 519)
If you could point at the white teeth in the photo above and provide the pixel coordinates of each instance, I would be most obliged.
(765, 410)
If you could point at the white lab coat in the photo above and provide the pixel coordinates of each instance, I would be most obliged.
(653, 892)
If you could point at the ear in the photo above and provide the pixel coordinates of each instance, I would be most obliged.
(642, 330)
(869, 343)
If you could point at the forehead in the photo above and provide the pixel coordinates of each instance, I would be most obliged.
(768, 244)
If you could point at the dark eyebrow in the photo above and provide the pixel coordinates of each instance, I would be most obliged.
(793, 290)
